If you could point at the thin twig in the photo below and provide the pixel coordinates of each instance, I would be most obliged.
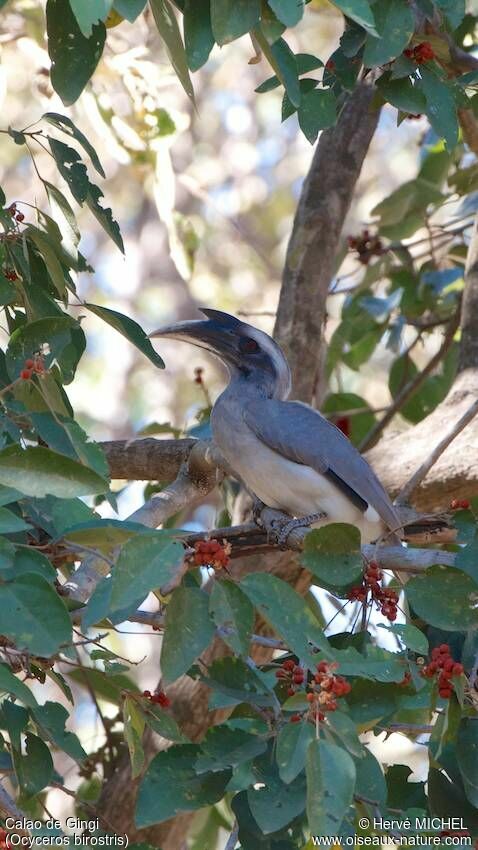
(404, 495)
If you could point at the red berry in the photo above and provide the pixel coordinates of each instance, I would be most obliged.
(289, 664)
(330, 65)
(322, 666)
(310, 697)
(147, 694)
(19, 216)
(464, 504)
(281, 674)
(458, 669)
(291, 692)
(295, 718)
(29, 364)
(445, 693)
(25, 374)
(444, 648)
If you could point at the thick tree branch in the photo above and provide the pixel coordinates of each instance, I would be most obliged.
(311, 254)
(469, 308)
(147, 459)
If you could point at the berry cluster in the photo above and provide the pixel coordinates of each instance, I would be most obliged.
(9, 273)
(443, 663)
(366, 245)
(324, 691)
(385, 597)
(158, 698)
(18, 216)
(211, 553)
(198, 373)
(292, 673)
(30, 366)
(421, 53)
(459, 504)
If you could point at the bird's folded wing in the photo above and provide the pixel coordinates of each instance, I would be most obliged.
(301, 434)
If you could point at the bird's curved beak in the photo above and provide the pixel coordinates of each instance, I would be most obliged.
(208, 334)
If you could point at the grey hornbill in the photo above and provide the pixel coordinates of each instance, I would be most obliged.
(287, 454)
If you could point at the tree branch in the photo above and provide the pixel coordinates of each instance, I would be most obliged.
(311, 254)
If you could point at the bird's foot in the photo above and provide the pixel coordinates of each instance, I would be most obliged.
(284, 527)
(257, 508)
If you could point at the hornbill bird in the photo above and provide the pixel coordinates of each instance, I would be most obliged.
(285, 452)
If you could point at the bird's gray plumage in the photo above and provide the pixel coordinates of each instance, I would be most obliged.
(286, 452)
(301, 434)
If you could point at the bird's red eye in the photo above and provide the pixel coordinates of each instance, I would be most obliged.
(247, 345)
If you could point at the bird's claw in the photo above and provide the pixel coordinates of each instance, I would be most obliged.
(284, 527)
(257, 508)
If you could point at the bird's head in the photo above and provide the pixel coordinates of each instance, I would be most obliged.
(246, 351)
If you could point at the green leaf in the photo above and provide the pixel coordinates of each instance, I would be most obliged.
(73, 170)
(65, 219)
(39, 472)
(163, 724)
(35, 769)
(287, 613)
(66, 125)
(189, 630)
(232, 18)
(395, 24)
(370, 779)
(454, 11)
(52, 717)
(74, 57)
(24, 602)
(134, 723)
(198, 36)
(402, 94)
(129, 9)
(292, 743)
(445, 598)
(317, 111)
(290, 12)
(89, 13)
(305, 62)
(11, 523)
(230, 608)
(441, 108)
(159, 557)
(65, 339)
(109, 688)
(224, 747)
(168, 29)
(283, 61)
(467, 757)
(333, 555)
(343, 727)
(276, 804)
(359, 11)
(331, 776)
(410, 636)
(129, 329)
(232, 678)
(9, 684)
(171, 785)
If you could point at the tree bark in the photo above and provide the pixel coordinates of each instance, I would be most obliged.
(313, 246)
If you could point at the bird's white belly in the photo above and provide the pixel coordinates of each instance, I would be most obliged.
(299, 490)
